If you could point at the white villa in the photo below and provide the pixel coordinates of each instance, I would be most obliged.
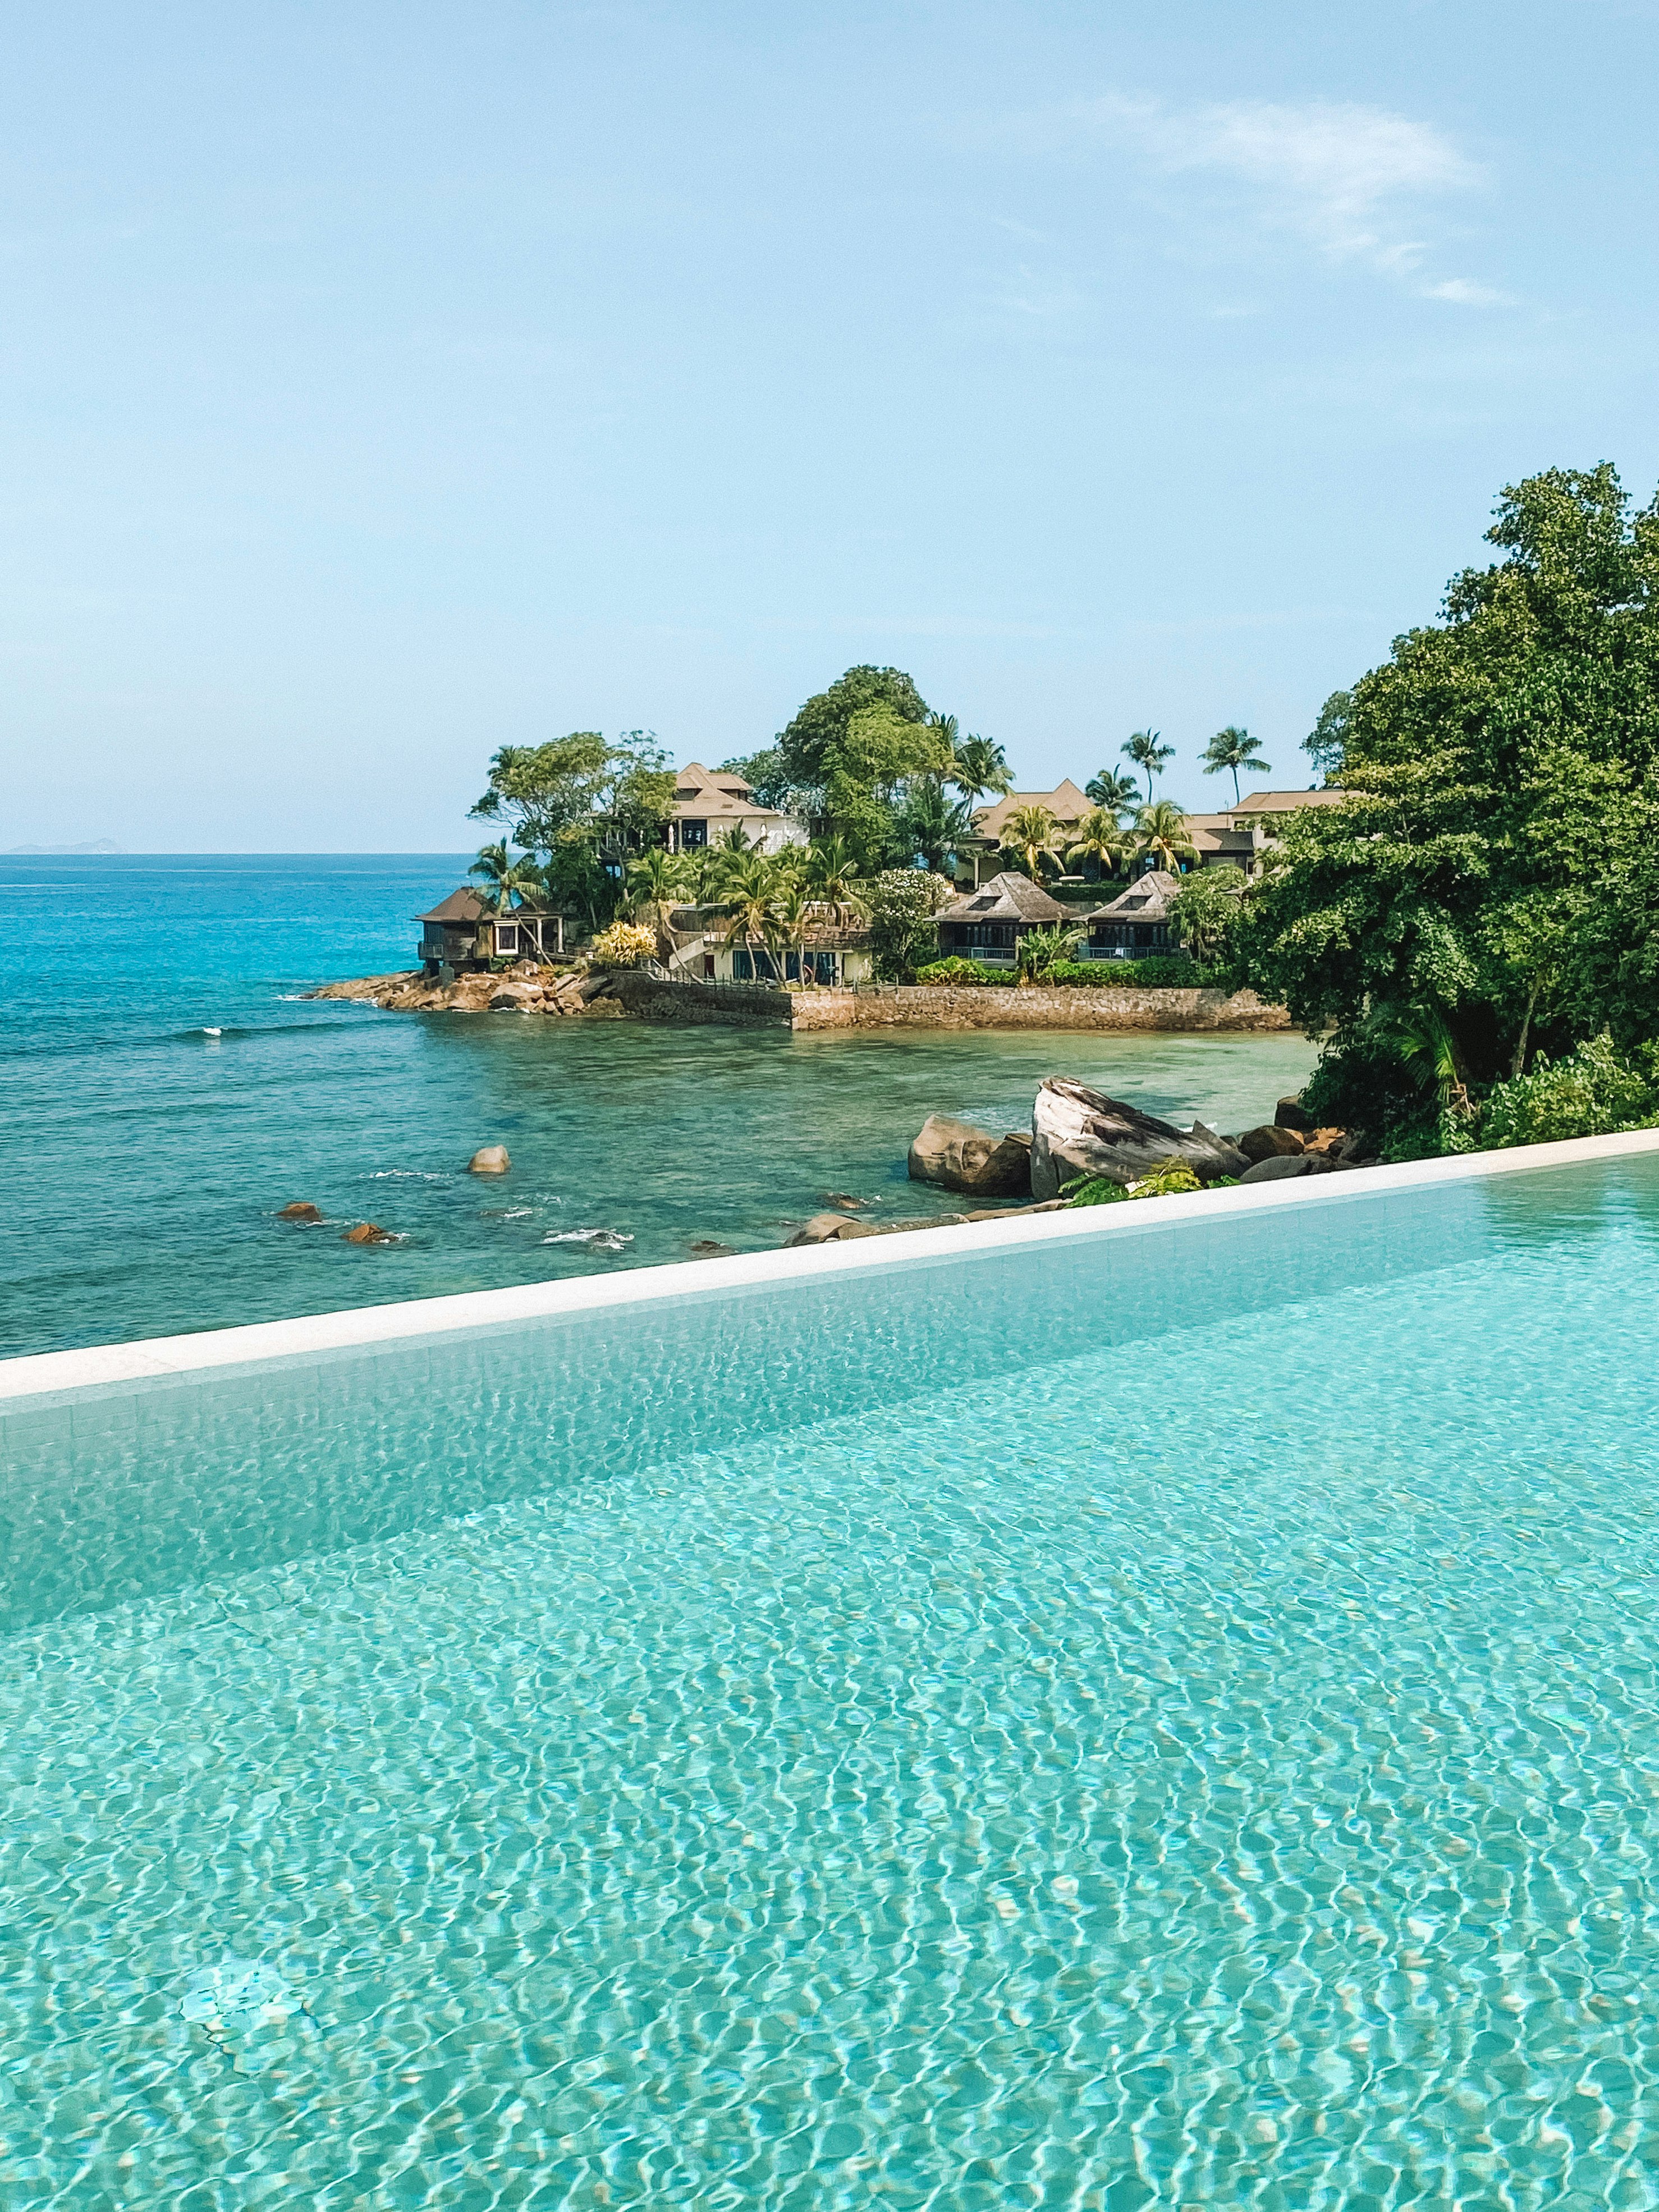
(709, 802)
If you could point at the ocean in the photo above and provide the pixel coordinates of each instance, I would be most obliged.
(146, 1157)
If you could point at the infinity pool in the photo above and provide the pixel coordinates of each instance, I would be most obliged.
(1159, 1718)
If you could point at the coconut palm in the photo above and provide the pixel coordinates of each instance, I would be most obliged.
(1161, 833)
(1143, 748)
(1234, 748)
(1099, 838)
(749, 895)
(508, 877)
(657, 881)
(832, 877)
(979, 767)
(1028, 838)
(934, 827)
(1117, 794)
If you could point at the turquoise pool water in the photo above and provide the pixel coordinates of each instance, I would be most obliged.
(1168, 1721)
(145, 1159)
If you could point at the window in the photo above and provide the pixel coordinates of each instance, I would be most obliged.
(507, 938)
(693, 835)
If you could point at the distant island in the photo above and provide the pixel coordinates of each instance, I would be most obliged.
(92, 845)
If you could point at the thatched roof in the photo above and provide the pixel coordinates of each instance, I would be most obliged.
(1065, 802)
(1147, 899)
(1006, 897)
(461, 907)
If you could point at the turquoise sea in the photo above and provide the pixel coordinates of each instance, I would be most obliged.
(145, 1159)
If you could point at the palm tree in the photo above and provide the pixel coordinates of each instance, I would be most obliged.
(934, 828)
(509, 878)
(656, 882)
(794, 911)
(1161, 832)
(979, 767)
(749, 892)
(1041, 949)
(1101, 839)
(1028, 836)
(1142, 747)
(1234, 748)
(1117, 794)
(832, 877)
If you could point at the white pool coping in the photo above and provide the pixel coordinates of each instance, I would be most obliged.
(103, 1366)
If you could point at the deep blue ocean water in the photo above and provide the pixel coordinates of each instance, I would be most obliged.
(144, 1160)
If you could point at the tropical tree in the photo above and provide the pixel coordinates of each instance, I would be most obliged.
(1234, 748)
(1100, 838)
(823, 724)
(1161, 834)
(832, 874)
(1495, 863)
(901, 903)
(1148, 756)
(508, 876)
(1027, 840)
(934, 827)
(1207, 909)
(1326, 743)
(1117, 794)
(1040, 950)
(749, 897)
(979, 767)
(618, 794)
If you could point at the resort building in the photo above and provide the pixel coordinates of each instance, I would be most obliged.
(977, 854)
(1136, 924)
(703, 952)
(709, 804)
(462, 934)
(987, 924)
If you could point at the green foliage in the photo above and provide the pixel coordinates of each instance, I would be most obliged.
(1161, 837)
(1149, 754)
(1040, 952)
(1171, 972)
(508, 877)
(1496, 865)
(581, 788)
(1118, 794)
(1208, 908)
(901, 903)
(1327, 745)
(822, 725)
(1234, 748)
(1093, 1190)
(1592, 1091)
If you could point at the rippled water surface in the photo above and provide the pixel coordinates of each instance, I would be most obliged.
(1218, 1768)
(146, 1158)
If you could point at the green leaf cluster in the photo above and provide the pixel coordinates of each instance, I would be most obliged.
(1493, 875)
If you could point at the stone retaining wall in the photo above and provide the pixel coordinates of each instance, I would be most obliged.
(945, 1007)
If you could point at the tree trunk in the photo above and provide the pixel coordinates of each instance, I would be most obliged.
(1526, 1030)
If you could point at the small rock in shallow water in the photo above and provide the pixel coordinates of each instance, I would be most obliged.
(489, 1159)
(705, 1248)
(843, 1198)
(302, 1210)
(369, 1232)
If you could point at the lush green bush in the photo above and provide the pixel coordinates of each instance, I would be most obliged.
(902, 904)
(1171, 973)
(1590, 1092)
(958, 970)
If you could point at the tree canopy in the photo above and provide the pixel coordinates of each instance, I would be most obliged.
(1493, 876)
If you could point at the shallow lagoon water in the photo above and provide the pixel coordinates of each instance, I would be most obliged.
(1214, 1765)
(145, 1159)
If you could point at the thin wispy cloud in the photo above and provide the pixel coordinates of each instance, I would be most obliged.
(1358, 185)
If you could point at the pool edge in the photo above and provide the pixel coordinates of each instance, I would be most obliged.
(33, 1377)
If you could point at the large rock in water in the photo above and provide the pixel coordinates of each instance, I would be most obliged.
(962, 1158)
(1078, 1132)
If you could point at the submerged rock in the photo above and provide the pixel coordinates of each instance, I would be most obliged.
(302, 1210)
(490, 1159)
(1078, 1132)
(962, 1157)
(705, 1248)
(829, 1229)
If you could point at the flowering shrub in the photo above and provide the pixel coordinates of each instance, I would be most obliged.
(624, 944)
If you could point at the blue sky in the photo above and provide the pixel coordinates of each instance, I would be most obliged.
(383, 384)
